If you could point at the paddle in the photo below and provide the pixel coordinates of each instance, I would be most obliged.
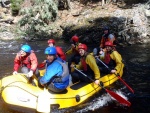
(43, 104)
(116, 75)
(68, 49)
(113, 94)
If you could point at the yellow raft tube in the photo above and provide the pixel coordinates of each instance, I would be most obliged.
(16, 91)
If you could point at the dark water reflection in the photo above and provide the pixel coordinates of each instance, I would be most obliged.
(137, 75)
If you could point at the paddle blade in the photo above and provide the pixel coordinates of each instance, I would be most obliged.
(41, 65)
(119, 98)
(43, 104)
(126, 84)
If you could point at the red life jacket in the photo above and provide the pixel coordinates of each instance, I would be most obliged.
(84, 65)
(25, 61)
(104, 39)
(107, 58)
(29, 61)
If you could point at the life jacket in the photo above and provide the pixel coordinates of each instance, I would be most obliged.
(108, 61)
(107, 58)
(25, 61)
(106, 37)
(86, 67)
(65, 75)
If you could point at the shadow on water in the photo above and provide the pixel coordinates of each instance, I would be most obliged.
(136, 74)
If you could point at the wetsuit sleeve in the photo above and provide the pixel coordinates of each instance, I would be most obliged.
(79, 66)
(70, 51)
(92, 53)
(90, 60)
(60, 53)
(34, 61)
(117, 58)
(16, 62)
(73, 50)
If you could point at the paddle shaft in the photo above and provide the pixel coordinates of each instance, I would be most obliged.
(68, 49)
(117, 76)
(113, 94)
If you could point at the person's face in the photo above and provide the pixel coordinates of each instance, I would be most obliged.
(22, 53)
(81, 52)
(50, 58)
(105, 31)
(50, 44)
(108, 48)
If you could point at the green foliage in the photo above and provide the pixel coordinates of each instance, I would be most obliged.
(37, 18)
(16, 5)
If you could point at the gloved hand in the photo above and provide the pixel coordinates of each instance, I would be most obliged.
(30, 74)
(15, 72)
(101, 52)
(97, 82)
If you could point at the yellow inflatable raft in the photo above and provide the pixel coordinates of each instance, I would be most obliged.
(16, 91)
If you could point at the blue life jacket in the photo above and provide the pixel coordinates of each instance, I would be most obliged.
(65, 75)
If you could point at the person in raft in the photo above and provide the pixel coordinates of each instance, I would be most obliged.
(88, 65)
(112, 59)
(27, 60)
(56, 77)
(60, 53)
(73, 51)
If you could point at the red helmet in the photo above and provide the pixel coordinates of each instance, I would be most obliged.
(51, 41)
(82, 46)
(75, 38)
(109, 43)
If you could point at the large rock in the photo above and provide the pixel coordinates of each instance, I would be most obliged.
(147, 12)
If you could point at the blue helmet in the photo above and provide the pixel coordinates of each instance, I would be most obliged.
(50, 51)
(26, 48)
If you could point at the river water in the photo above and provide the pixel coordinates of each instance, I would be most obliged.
(136, 75)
